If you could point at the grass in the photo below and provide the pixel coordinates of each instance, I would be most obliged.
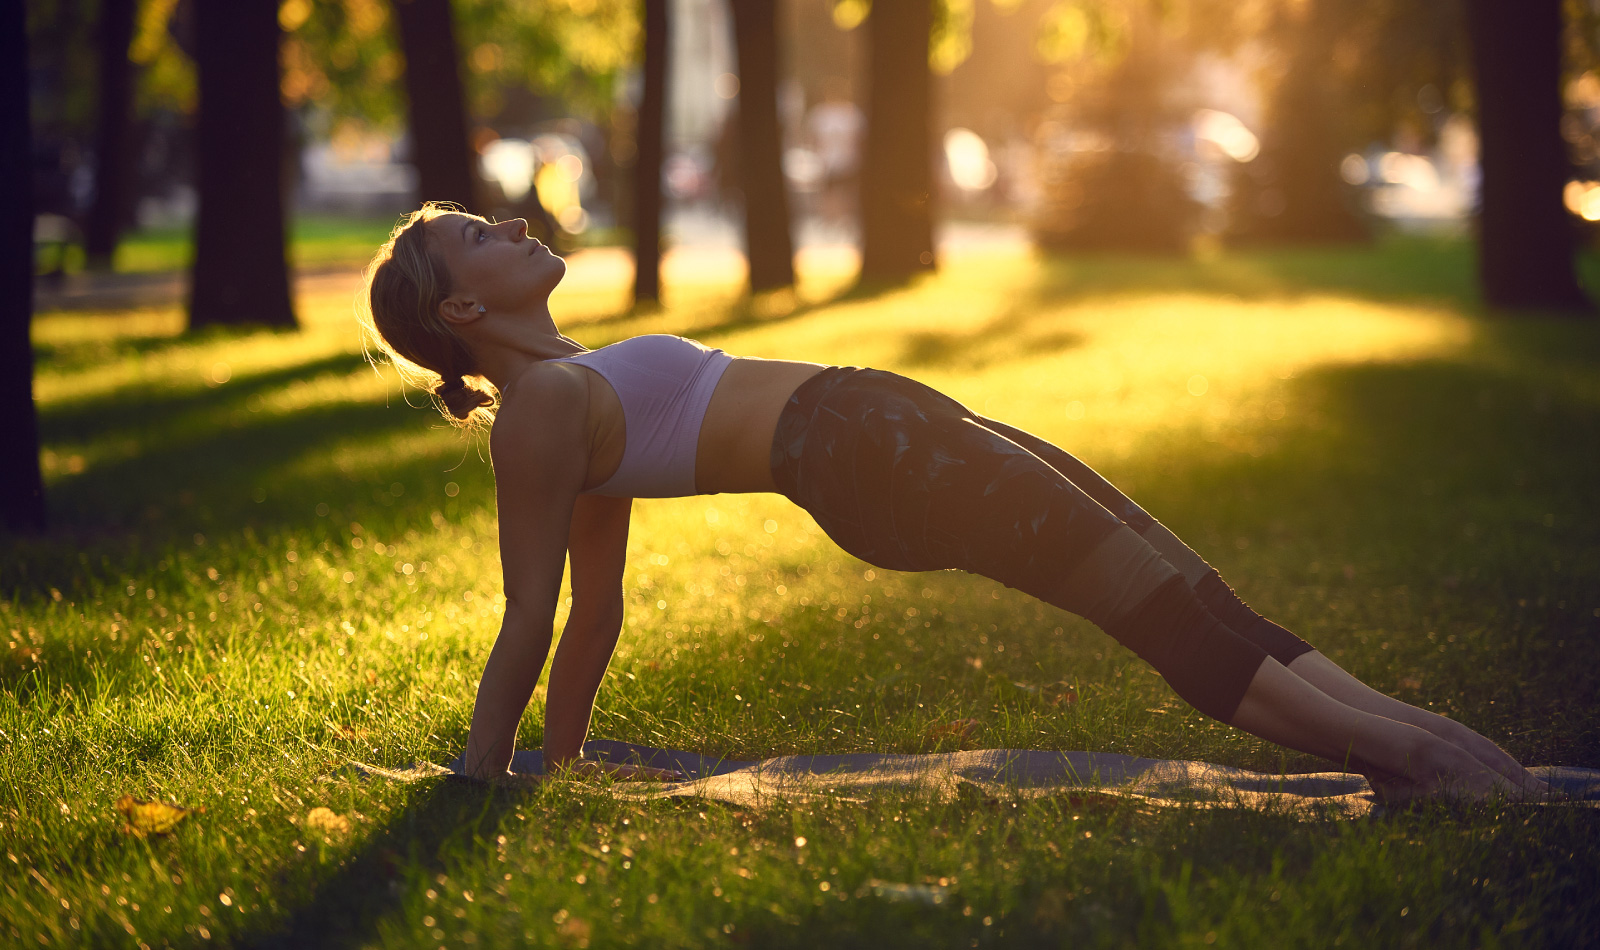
(266, 563)
(317, 241)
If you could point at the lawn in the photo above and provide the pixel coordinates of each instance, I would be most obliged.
(268, 560)
(319, 241)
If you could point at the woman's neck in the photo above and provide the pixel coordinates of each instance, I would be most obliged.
(507, 347)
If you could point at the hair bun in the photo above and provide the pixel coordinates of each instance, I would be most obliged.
(461, 398)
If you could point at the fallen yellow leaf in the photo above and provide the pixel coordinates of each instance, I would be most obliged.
(151, 818)
(328, 822)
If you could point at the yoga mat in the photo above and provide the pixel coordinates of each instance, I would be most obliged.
(982, 775)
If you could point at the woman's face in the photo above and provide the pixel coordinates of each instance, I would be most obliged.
(497, 266)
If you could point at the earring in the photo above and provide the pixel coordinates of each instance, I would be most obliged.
(482, 309)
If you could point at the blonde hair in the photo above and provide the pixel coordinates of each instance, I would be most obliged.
(399, 314)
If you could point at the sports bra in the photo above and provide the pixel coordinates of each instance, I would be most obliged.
(665, 383)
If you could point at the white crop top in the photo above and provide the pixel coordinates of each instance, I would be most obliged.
(665, 383)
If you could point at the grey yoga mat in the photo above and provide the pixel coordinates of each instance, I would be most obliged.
(985, 774)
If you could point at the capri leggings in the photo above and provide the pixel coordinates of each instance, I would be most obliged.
(906, 478)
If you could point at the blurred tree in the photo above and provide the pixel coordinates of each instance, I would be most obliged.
(768, 243)
(574, 51)
(441, 145)
(647, 161)
(897, 159)
(1293, 191)
(344, 57)
(114, 155)
(1525, 235)
(1113, 179)
(341, 58)
(21, 486)
(241, 271)
(61, 83)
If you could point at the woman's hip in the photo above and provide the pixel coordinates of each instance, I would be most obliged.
(907, 478)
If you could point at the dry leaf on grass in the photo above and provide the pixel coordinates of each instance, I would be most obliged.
(326, 821)
(1060, 694)
(575, 932)
(959, 729)
(151, 818)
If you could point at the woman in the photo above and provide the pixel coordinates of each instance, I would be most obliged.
(896, 473)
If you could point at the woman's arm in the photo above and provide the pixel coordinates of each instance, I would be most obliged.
(540, 458)
(598, 547)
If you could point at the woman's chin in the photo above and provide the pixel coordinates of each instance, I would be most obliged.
(551, 270)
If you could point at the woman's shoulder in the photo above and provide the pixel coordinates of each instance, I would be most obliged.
(546, 404)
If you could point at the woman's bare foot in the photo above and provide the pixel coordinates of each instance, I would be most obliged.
(1321, 672)
(1484, 751)
(1442, 770)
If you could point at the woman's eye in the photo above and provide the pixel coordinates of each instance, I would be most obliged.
(482, 234)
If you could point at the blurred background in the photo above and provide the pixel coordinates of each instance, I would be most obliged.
(887, 132)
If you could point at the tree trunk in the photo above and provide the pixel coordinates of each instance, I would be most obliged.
(768, 243)
(1293, 193)
(647, 164)
(113, 151)
(241, 271)
(1525, 237)
(441, 146)
(897, 167)
(21, 487)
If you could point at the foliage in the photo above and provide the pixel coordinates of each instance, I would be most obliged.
(61, 66)
(268, 565)
(166, 73)
(574, 50)
(1111, 176)
(950, 39)
(341, 56)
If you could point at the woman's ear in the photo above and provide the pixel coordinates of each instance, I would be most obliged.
(458, 310)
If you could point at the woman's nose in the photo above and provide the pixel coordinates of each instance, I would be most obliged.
(519, 227)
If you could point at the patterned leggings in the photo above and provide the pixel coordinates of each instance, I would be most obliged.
(906, 478)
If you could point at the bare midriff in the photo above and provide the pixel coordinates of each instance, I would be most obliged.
(735, 449)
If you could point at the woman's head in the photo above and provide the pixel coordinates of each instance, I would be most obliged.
(429, 288)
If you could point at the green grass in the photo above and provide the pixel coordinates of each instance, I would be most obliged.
(265, 564)
(316, 241)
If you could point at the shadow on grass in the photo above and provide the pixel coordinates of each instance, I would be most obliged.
(1396, 268)
(437, 828)
(1467, 480)
(745, 312)
(1007, 336)
(133, 408)
(204, 476)
(1457, 496)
